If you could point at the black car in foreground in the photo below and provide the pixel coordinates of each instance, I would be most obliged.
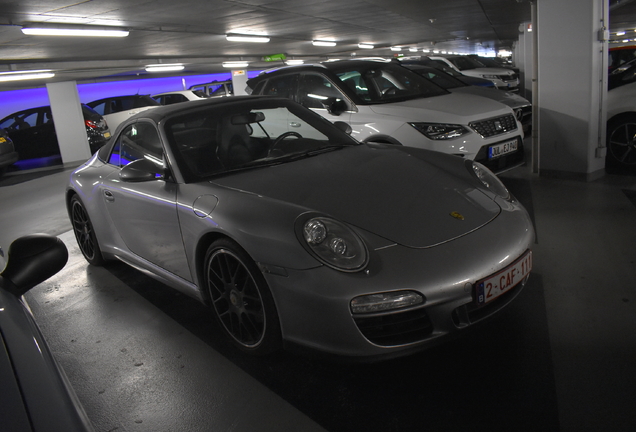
(35, 394)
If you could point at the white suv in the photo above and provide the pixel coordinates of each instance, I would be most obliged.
(385, 102)
(504, 79)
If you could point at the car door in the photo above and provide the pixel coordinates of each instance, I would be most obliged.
(145, 213)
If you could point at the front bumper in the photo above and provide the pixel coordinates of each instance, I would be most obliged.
(8, 159)
(314, 305)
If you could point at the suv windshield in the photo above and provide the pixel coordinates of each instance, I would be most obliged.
(375, 82)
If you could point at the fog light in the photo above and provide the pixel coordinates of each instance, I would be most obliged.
(385, 301)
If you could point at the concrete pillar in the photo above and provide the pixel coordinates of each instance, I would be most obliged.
(523, 59)
(572, 87)
(69, 122)
(239, 82)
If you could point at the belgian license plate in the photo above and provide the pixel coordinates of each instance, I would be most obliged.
(497, 150)
(492, 287)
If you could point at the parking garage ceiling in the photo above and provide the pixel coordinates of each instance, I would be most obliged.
(193, 32)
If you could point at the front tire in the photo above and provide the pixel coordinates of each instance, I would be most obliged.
(84, 233)
(241, 300)
(621, 142)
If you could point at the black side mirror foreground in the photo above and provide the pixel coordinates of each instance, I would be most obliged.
(343, 126)
(141, 170)
(31, 260)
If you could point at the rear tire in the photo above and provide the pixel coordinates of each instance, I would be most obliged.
(241, 299)
(84, 233)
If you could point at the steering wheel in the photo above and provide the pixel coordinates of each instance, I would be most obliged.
(281, 137)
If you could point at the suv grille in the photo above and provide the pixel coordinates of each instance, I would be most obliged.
(494, 126)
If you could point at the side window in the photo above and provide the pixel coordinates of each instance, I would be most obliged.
(314, 88)
(100, 108)
(280, 86)
(139, 140)
(354, 81)
(20, 121)
(175, 98)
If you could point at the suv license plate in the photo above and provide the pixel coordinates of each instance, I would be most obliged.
(497, 150)
(492, 287)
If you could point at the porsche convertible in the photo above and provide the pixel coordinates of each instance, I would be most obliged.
(296, 234)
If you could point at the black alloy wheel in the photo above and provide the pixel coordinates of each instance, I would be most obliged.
(84, 233)
(621, 142)
(241, 299)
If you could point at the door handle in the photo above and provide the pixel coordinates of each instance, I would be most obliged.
(294, 124)
(109, 195)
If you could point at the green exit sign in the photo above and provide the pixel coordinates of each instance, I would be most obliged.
(275, 57)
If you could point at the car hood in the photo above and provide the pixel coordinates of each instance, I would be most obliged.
(406, 195)
(449, 108)
(504, 97)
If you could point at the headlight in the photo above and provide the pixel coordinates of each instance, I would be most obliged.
(439, 131)
(490, 77)
(488, 179)
(333, 243)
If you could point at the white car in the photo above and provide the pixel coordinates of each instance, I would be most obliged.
(168, 98)
(521, 106)
(621, 120)
(385, 102)
(119, 108)
(505, 79)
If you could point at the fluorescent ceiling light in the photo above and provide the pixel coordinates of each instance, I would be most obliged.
(413, 49)
(324, 43)
(26, 75)
(365, 46)
(396, 48)
(33, 31)
(246, 38)
(621, 33)
(294, 62)
(165, 67)
(235, 64)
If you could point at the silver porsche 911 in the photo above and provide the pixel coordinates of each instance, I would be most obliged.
(295, 233)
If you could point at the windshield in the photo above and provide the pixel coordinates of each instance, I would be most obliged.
(236, 136)
(438, 77)
(466, 63)
(376, 83)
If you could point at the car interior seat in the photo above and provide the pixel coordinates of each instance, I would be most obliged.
(233, 139)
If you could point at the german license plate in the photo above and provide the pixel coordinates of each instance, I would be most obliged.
(492, 287)
(498, 150)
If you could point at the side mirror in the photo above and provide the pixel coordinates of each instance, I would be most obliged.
(31, 260)
(334, 105)
(141, 170)
(343, 126)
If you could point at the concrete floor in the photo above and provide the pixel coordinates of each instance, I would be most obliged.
(142, 357)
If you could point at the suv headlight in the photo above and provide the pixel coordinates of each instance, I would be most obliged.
(490, 77)
(440, 131)
(488, 179)
(333, 243)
